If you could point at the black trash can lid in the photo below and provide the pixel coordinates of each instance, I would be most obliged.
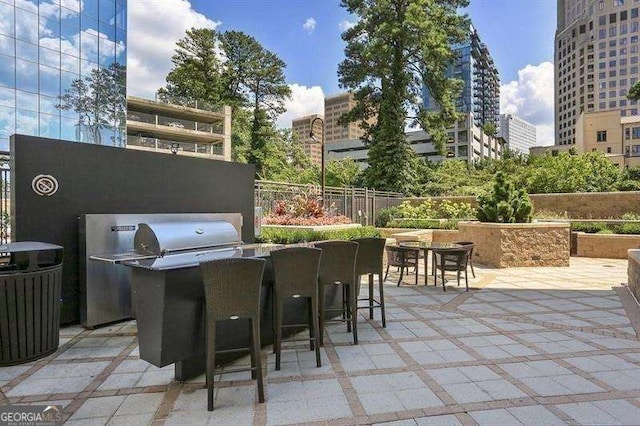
(28, 246)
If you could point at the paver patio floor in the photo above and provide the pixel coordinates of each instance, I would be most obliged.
(526, 346)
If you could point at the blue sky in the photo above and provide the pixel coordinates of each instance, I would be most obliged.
(519, 34)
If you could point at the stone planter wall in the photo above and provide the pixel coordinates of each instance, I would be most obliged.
(611, 246)
(633, 272)
(505, 245)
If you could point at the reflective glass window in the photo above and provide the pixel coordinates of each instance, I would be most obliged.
(7, 97)
(27, 100)
(69, 128)
(48, 105)
(88, 23)
(26, 122)
(49, 126)
(107, 49)
(8, 27)
(50, 58)
(25, 50)
(7, 121)
(90, 8)
(49, 20)
(26, 75)
(26, 25)
(108, 11)
(49, 81)
(7, 45)
(89, 45)
(7, 71)
(70, 63)
(121, 14)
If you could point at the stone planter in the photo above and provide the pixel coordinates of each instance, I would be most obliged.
(505, 245)
(610, 246)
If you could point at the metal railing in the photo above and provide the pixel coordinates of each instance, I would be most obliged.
(359, 204)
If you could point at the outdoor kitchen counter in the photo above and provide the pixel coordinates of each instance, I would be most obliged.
(169, 300)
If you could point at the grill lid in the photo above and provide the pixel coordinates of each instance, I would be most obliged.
(160, 238)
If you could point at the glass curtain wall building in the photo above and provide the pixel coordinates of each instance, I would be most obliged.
(63, 70)
(480, 94)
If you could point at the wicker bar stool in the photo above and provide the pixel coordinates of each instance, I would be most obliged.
(296, 276)
(369, 262)
(338, 267)
(232, 292)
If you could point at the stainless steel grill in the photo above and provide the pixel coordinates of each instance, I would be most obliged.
(150, 241)
(158, 239)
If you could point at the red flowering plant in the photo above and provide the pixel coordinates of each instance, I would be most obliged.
(305, 209)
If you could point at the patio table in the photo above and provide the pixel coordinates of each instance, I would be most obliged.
(425, 247)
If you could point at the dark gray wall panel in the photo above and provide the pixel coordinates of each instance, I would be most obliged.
(101, 179)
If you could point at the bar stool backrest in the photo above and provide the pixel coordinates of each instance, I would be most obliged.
(232, 287)
(338, 261)
(296, 270)
(370, 252)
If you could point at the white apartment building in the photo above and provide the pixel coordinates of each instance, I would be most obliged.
(518, 134)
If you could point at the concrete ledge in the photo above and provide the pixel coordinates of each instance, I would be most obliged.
(633, 272)
(425, 235)
(612, 246)
(314, 228)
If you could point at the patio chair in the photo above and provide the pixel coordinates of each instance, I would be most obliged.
(470, 262)
(296, 276)
(369, 262)
(232, 292)
(338, 267)
(452, 259)
(403, 258)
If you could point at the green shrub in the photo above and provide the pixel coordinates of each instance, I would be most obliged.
(589, 227)
(451, 210)
(606, 231)
(293, 236)
(630, 216)
(422, 224)
(504, 204)
(629, 228)
(385, 215)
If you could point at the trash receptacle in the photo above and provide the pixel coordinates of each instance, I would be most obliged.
(30, 287)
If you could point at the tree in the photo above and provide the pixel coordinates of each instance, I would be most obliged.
(233, 69)
(397, 49)
(634, 92)
(197, 69)
(342, 173)
(505, 204)
(489, 129)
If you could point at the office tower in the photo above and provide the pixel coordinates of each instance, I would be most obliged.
(519, 135)
(334, 107)
(301, 128)
(480, 94)
(596, 61)
(63, 70)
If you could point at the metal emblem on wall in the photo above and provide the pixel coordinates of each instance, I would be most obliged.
(44, 185)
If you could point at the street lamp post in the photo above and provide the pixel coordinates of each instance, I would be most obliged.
(321, 141)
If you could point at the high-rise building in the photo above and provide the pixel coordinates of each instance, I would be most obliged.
(519, 135)
(63, 70)
(596, 61)
(480, 94)
(334, 107)
(301, 128)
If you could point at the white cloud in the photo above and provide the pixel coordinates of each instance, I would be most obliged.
(531, 98)
(151, 41)
(309, 25)
(303, 101)
(345, 25)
